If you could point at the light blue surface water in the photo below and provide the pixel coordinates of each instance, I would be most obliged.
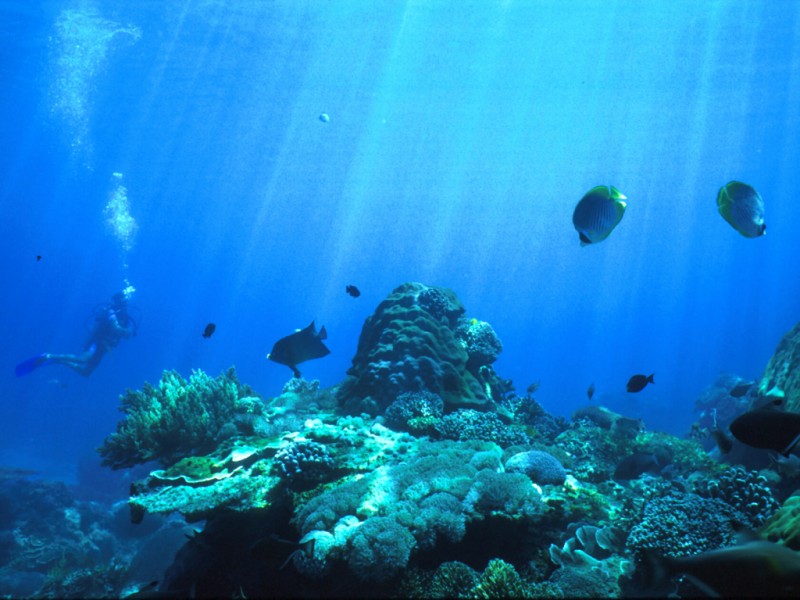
(460, 137)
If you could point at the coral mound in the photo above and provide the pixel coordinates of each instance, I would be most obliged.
(419, 340)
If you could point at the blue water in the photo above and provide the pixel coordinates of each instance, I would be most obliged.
(461, 136)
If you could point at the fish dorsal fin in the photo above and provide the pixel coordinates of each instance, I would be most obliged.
(323, 335)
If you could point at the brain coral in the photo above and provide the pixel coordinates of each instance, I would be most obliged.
(414, 342)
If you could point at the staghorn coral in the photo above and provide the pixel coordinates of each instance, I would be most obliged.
(176, 419)
(411, 344)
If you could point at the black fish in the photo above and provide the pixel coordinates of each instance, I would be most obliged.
(768, 428)
(638, 463)
(298, 347)
(590, 391)
(38, 257)
(209, 330)
(353, 291)
(724, 443)
(740, 389)
(638, 382)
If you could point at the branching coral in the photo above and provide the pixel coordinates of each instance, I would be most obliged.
(746, 491)
(176, 419)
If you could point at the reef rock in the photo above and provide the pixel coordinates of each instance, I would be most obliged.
(783, 370)
(419, 340)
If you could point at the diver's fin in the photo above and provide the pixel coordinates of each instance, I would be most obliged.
(31, 364)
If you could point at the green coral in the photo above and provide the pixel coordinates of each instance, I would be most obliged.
(784, 526)
(176, 419)
(501, 580)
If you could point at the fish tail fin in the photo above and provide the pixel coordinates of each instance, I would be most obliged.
(788, 450)
(650, 379)
(654, 573)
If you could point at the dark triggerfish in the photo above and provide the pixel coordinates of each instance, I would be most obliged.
(638, 382)
(769, 429)
(298, 347)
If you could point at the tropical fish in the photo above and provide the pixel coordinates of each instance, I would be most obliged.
(636, 464)
(597, 213)
(590, 391)
(300, 346)
(209, 330)
(638, 382)
(756, 568)
(741, 388)
(769, 429)
(353, 291)
(742, 207)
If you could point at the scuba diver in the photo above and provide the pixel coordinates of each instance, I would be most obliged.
(112, 322)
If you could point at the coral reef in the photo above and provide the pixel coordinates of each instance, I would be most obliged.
(417, 341)
(423, 474)
(434, 494)
(783, 370)
(177, 418)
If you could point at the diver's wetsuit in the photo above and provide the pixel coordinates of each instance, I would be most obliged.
(111, 325)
